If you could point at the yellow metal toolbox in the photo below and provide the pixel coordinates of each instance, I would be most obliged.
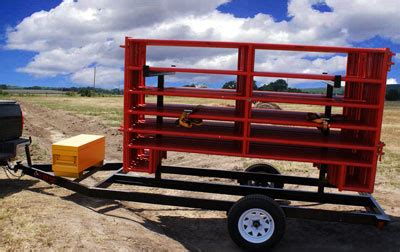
(73, 155)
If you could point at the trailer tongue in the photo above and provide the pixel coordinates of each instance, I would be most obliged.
(345, 146)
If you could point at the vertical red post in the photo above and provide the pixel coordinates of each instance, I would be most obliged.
(127, 106)
(241, 89)
(249, 92)
(135, 58)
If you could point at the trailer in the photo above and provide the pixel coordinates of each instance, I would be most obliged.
(344, 147)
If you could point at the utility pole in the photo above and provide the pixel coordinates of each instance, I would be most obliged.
(94, 78)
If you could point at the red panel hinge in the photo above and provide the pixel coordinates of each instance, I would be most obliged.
(380, 152)
(390, 62)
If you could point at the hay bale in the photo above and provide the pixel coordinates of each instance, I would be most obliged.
(267, 105)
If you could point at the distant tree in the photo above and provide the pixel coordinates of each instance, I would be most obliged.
(86, 92)
(232, 85)
(278, 85)
(265, 87)
(35, 88)
(3, 86)
(393, 95)
(255, 87)
(229, 85)
(190, 85)
(116, 91)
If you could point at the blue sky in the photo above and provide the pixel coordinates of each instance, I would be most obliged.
(26, 61)
(13, 12)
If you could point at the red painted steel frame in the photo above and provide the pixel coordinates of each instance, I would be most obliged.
(350, 151)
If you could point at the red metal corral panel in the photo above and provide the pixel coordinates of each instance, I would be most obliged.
(350, 150)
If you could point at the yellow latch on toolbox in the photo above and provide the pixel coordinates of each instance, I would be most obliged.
(74, 155)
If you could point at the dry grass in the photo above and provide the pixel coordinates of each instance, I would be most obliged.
(18, 227)
(389, 169)
(107, 108)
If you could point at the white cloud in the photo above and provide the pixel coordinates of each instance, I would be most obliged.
(366, 19)
(74, 36)
(391, 81)
(77, 23)
(66, 61)
(105, 76)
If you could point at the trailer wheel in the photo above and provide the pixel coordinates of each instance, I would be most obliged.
(262, 168)
(256, 222)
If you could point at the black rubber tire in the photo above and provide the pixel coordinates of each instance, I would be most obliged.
(262, 202)
(263, 168)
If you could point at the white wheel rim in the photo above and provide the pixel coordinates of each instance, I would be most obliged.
(256, 225)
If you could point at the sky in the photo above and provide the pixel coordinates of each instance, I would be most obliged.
(58, 43)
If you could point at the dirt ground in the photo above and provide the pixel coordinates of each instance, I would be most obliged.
(38, 216)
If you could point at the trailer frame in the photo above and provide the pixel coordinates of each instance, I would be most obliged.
(373, 214)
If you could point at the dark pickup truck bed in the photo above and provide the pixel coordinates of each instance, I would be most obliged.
(11, 121)
(11, 124)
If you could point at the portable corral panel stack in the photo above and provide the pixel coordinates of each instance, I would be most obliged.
(347, 148)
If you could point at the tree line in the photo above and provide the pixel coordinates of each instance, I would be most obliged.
(70, 91)
(279, 85)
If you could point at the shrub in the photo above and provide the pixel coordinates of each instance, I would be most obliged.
(86, 92)
(3, 93)
(70, 93)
